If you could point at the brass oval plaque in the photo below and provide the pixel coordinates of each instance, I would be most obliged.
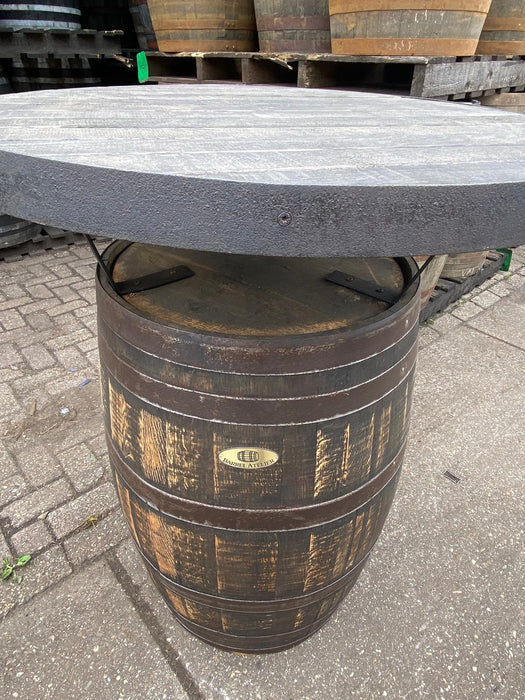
(248, 457)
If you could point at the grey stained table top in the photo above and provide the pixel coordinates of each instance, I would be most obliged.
(265, 170)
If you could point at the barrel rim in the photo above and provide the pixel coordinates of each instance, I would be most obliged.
(408, 266)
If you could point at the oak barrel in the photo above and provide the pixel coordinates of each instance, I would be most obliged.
(256, 417)
(407, 27)
(430, 274)
(44, 14)
(509, 101)
(504, 30)
(141, 17)
(463, 265)
(200, 25)
(293, 26)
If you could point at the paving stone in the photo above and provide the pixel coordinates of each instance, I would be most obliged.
(74, 514)
(66, 281)
(11, 488)
(98, 446)
(13, 291)
(38, 465)
(59, 269)
(81, 465)
(466, 311)
(39, 321)
(9, 355)
(26, 386)
(94, 359)
(12, 319)
(40, 291)
(91, 542)
(515, 281)
(43, 571)
(4, 547)
(42, 306)
(443, 323)
(8, 465)
(65, 293)
(462, 384)
(64, 308)
(88, 345)
(70, 338)
(132, 561)
(8, 402)
(485, 299)
(501, 289)
(85, 642)
(426, 336)
(31, 539)
(37, 503)
(15, 303)
(85, 312)
(70, 357)
(506, 320)
(38, 357)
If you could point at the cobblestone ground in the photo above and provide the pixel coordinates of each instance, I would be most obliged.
(57, 501)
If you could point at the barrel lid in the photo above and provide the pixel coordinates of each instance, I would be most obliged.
(253, 296)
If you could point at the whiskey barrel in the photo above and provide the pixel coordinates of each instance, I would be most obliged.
(256, 417)
(504, 30)
(15, 231)
(463, 265)
(430, 274)
(293, 26)
(143, 26)
(407, 27)
(50, 73)
(509, 101)
(204, 25)
(44, 14)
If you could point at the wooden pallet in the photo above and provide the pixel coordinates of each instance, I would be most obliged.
(59, 42)
(41, 243)
(418, 76)
(448, 291)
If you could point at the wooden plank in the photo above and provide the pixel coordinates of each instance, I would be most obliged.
(440, 79)
(85, 42)
(260, 72)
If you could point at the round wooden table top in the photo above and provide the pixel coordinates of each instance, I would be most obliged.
(265, 170)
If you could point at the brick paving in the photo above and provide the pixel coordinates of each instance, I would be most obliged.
(56, 498)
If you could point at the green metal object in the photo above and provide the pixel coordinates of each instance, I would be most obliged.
(508, 257)
(142, 67)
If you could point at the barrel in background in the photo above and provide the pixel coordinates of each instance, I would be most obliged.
(204, 25)
(292, 26)
(504, 29)
(141, 17)
(15, 231)
(44, 14)
(430, 274)
(414, 27)
(509, 101)
(51, 73)
(256, 418)
(463, 265)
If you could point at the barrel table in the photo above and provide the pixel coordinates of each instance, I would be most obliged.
(258, 316)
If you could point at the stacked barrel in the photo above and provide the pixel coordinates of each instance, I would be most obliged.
(356, 27)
